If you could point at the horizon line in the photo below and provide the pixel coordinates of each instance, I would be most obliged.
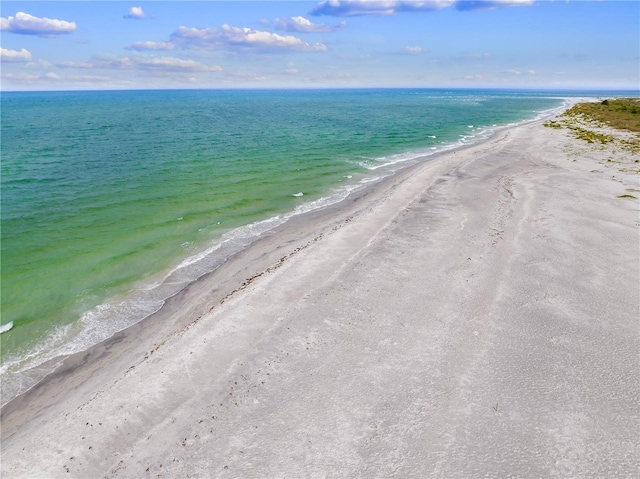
(309, 88)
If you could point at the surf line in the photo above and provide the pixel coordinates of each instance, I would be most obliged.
(6, 327)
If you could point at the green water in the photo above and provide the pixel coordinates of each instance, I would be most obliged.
(114, 201)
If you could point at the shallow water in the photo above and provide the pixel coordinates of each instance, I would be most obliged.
(114, 201)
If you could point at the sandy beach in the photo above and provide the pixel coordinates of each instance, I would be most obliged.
(473, 316)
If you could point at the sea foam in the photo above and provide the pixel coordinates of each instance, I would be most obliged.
(6, 327)
(372, 158)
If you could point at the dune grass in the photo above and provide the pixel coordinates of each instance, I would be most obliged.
(620, 113)
(586, 121)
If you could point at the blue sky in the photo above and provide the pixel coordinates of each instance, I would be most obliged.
(48, 45)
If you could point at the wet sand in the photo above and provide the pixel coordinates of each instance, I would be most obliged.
(473, 316)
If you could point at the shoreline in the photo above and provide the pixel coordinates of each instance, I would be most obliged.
(244, 265)
(319, 286)
(51, 366)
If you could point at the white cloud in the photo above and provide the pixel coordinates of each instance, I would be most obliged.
(175, 64)
(52, 76)
(39, 64)
(136, 13)
(228, 37)
(27, 78)
(146, 64)
(75, 65)
(20, 77)
(116, 63)
(168, 64)
(473, 77)
(414, 50)
(303, 25)
(348, 8)
(246, 76)
(26, 24)
(140, 46)
(518, 72)
(7, 55)
(466, 5)
(477, 56)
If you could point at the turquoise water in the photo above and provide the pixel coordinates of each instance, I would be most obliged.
(114, 201)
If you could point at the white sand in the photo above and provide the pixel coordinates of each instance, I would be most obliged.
(477, 316)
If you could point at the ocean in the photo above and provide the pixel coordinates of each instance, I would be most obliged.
(113, 201)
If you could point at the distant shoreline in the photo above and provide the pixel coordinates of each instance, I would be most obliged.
(563, 91)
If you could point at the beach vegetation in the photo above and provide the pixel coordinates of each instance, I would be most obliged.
(591, 136)
(552, 124)
(627, 196)
(590, 121)
(620, 113)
